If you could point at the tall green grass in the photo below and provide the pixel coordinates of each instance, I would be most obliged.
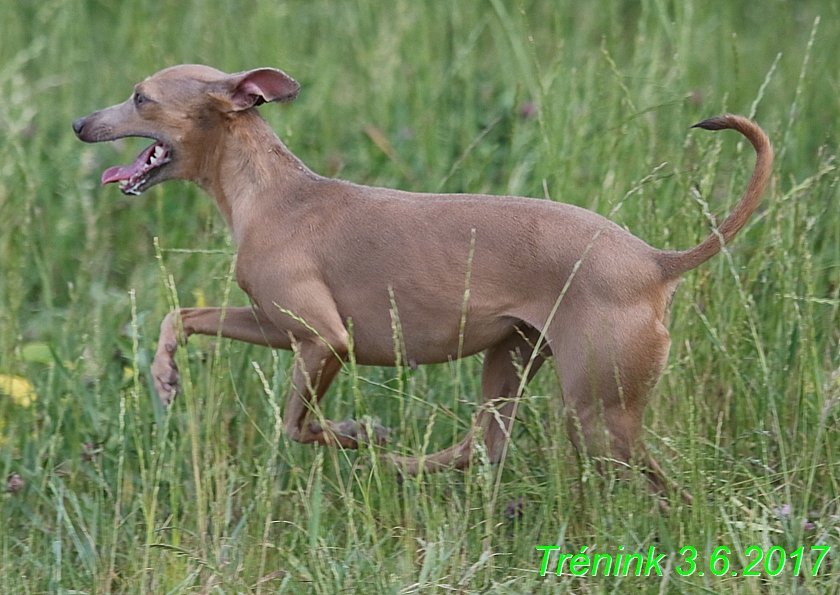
(577, 102)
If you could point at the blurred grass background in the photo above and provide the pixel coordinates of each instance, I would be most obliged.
(106, 492)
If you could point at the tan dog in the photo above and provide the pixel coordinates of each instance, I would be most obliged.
(545, 279)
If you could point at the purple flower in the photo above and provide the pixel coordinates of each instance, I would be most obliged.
(15, 484)
(527, 110)
(515, 509)
(783, 511)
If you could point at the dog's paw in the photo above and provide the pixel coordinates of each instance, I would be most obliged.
(358, 429)
(165, 373)
(381, 434)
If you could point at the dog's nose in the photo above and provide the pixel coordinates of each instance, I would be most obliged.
(78, 125)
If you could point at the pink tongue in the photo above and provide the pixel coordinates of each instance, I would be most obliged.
(126, 172)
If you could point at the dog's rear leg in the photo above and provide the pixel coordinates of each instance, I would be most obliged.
(500, 381)
(605, 389)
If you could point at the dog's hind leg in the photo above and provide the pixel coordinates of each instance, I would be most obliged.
(606, 377)
(500, 388)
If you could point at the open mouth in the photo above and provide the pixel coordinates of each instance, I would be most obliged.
(133, 177)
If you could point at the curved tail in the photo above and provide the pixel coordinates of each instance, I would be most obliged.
(675, 263)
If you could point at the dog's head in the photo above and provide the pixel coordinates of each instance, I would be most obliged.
(182, 109)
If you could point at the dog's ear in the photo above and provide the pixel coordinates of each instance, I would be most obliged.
(244, 90)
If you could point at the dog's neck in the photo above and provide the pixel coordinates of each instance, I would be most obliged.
(249, 163)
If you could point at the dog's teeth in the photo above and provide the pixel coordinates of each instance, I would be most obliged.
(156, 154)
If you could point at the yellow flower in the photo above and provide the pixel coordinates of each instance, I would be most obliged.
(200, 302)
(20, 389)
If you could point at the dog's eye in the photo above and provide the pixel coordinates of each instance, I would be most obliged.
(139, 98)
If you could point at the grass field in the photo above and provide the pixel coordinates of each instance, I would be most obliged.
(107, 492)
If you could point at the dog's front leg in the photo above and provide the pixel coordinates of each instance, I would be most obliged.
(318, 361)
(243, 324)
